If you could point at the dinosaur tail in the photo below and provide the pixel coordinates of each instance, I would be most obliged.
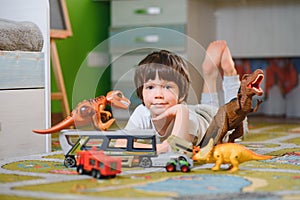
(69, 121)
(250, 155)
(211, 132)
(261, 157)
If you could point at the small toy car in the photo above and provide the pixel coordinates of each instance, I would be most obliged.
(179, 164)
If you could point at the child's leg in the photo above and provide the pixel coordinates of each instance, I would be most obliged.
(211, 64)
(210, 69)
(231, 82)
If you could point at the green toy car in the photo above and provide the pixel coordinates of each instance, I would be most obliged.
(178, 164)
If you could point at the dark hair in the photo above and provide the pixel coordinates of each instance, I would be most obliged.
(168, 66)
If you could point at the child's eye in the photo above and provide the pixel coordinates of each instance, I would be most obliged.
(168, 87)
(149, 87)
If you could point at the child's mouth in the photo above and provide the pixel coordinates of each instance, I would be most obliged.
(159, 104)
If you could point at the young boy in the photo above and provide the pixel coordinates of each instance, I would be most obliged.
(162, 83)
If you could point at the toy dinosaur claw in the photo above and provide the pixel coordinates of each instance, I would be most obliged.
(259, 101)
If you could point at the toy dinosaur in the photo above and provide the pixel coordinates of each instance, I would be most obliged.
(92, 112)
(231, 115)
(226, 153)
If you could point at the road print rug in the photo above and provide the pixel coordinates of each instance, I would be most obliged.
(45, 176)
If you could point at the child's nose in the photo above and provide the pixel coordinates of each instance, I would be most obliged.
(159, 93)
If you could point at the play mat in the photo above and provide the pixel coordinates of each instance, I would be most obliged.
(46, 177)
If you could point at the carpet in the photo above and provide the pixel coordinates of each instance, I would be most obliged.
(45, 177)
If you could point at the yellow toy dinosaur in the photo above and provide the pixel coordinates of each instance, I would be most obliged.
(226, 153)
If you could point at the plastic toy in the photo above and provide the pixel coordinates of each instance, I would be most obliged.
(226, 153)
(163, 159)
(92, 112)
(131, 154)
(179, 164)
(98, 165)
(231, 115)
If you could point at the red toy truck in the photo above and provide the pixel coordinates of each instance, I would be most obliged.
(97, 164)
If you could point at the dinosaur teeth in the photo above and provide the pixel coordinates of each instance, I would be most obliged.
(256, 83)
(258, 80)
(125, 103)
(257, 89)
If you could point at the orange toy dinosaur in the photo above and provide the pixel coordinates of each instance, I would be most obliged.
(91, 112)
(226, 153)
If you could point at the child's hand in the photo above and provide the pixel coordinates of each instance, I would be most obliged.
(178, 109)
(180, 114)
(163, 147)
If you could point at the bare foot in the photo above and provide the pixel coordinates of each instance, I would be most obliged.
(227, 63)
(213, 57)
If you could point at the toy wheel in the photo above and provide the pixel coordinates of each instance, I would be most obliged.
(98, 175)
(94, 173)
(171, 167)
(184, 168)
(145, 162)
(80, 169)
(70, 161)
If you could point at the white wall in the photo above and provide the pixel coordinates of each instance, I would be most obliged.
(255, 28)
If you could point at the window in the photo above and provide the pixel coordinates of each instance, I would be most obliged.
(100, 165)
(117, 143)
(95, 142)
(141, 143)
(92, 162)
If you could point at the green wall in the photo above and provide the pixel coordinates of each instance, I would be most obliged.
(90, 22)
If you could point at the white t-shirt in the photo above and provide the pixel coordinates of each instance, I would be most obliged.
(199, 119)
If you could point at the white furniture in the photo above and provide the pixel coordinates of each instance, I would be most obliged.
(25, 85)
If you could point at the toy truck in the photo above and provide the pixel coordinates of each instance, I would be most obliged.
(131, 154)
(97, 164)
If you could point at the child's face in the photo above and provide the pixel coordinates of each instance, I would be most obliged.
(159, 95)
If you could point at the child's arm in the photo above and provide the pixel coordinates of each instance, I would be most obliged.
(181, 124)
